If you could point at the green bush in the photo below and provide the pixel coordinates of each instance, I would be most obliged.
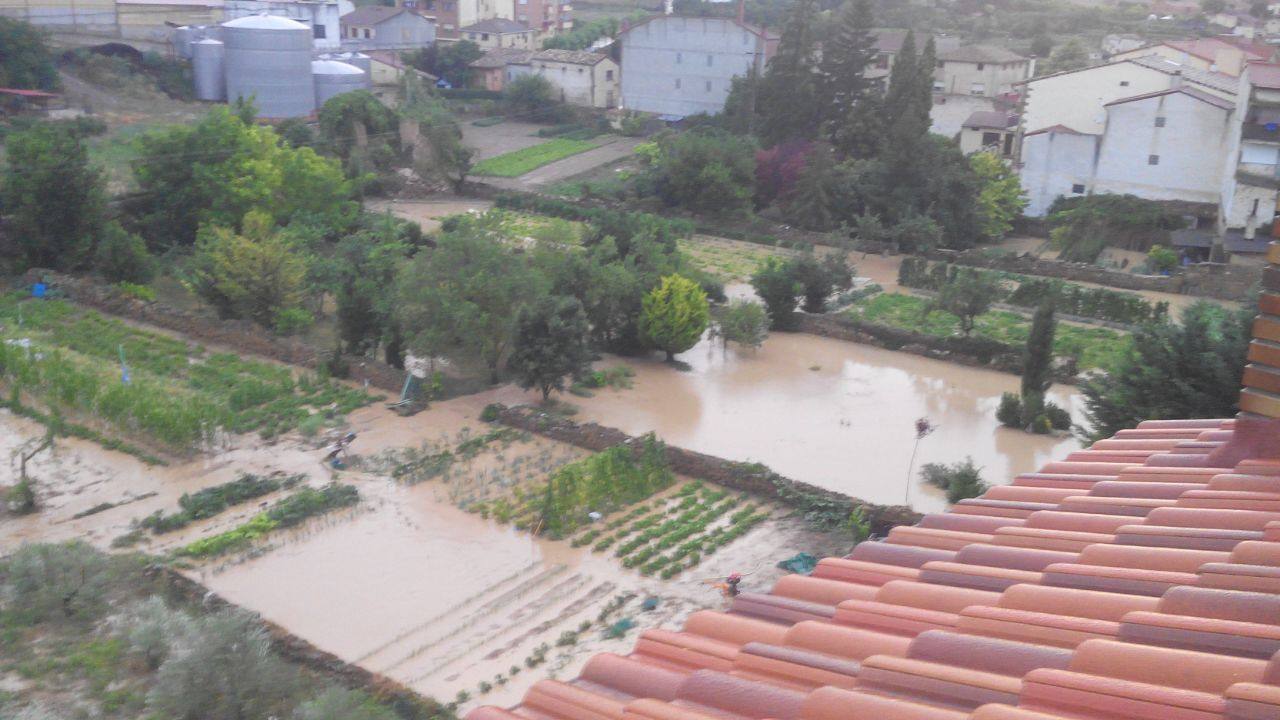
(1162, 259)
(490, 412)
(961, 480)
(1010, 411)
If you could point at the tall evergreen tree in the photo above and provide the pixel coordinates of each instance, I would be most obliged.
(789, 98)
(1036, 362)
(902, 82)
(845, 58)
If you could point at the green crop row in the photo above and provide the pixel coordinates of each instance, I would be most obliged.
(211, 501)
(293, 510)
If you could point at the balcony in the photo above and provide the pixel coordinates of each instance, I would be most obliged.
(1254, 178)
(1264, 133)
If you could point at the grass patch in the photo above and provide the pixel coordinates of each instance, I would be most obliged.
(1092, 348)
(726, 261)
(290, 511)
(519, 162)
(177, 394)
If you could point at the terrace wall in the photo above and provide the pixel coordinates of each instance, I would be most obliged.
(746, 477)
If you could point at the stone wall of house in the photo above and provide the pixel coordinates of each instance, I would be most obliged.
(239, 335)
(746, 477)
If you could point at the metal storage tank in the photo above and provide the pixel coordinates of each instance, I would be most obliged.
(334, 78)
(269, 58)
(182, 38)
(208, 66)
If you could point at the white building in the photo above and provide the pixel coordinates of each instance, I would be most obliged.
(322, 16)
(982, 70)
(582, 77)
(1251, 187)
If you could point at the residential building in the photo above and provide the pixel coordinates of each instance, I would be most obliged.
(1226, 54)
(386, 68)
(545, 17)
(500, 33)
(680, 66)
(1115, 43)
(445, 12)
(583, 78)
(889, 44)
(493, 71)
(1251, 190)
(1168, 144)
(990, 130)
(324, 17)
(982, 70)
(1077, 99)
(378, 27)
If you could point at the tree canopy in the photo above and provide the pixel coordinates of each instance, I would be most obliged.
(675, 314)
(550, 344)
(25, 59)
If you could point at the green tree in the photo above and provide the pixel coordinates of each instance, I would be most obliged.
(53, 198)
(453, 62)
(122, 256)
(550, 343)
(353, 118)
(743, 322)
(809, 204)
(360, 271)
(443, 154)
(531, 97)
(1037, 364)
(1000, 199)
(845, 59)
(820, 278)
(461, 299)
(1191, 370)
(777, 286)
(967, 296)
(215, 171)
(255, 274)
(1041, 46)
(25, 59)
(674, 315)
(707, 170)
(790, 101)
(1071, 55)
(342, 704)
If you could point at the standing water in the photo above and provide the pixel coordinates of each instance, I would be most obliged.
(832, 413)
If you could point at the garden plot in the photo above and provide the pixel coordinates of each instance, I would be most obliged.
(730, 261)
(144, 385)
(519, 162)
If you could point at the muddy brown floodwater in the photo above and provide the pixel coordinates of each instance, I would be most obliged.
(836, 414)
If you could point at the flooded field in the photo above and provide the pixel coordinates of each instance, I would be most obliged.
(832, 413)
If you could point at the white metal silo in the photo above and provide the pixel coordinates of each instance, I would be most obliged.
(334, 78)
(268, 58)
(362, 61)
(182, 38)
(208, 67)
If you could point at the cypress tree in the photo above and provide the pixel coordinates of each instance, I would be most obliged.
(903, 79)
(1036, 361)
(789, 99)
(845, 59)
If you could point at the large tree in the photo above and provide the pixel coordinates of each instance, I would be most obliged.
(674, 315)
(1037, 363)
(1000, 199)
(968, 295)
(709, 171)
(52, 196)
(777, 286)
(845, 59)
(25, 60)
(550, 344)
(253, 274)
(1173, 371)
(460, 300)
(790, 101)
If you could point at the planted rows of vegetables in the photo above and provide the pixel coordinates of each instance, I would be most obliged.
(293, 510)
(175, 393)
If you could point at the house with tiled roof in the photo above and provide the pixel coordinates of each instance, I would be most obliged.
(499, 66)
(989, 130)
(581, 77)
(982, 70)
(1137, 579)
(1226, 54)
(499, 33)
(378, 27)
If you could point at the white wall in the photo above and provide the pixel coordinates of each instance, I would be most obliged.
(307, 13)
(683, 66)
(993, 80)
(1052, 163)
(1077, 99)
(1190, 149)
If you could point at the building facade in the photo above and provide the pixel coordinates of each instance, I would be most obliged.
(323, 17)
(680, 66)
(582, 78)
(981, 70)
(500, 33)
(378, 27)
(1251, 187)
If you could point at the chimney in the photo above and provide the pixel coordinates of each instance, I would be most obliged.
(1175, 82)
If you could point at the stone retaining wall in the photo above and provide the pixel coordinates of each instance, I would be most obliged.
(242, 335)
(407, 703)
(752, 478)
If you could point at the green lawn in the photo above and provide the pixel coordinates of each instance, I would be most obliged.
(1091, 347)
(515, 164)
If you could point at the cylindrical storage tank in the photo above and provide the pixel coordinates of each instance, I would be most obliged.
(268, 58)
(208, 67)
(362, 61)
(334, 78)
(182, 38)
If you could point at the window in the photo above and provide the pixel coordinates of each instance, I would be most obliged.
(938, 86)
(679, 58)
(710, 59)
(978, 89)
(317, 31)
(368, 33)
(472, 35)
(1257, 154)
(608, 75)
(1124, 83)
(677, 83)
(708, 86)
(1160, 122)
(1077, 189)
(1153, 159)
(484, 36)
(981, 66)
(580, 70)
(990, 138)
(1255, 208)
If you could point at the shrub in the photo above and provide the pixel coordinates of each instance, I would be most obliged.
(1010, 411)
(490, 412)
(961, 480)
(1162, 259)
(64, 582)
(1059, 418)
(137, 292)
(292, 321)
(342, 704)
(153, 630)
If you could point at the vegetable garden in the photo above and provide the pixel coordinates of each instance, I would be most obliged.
(176, 394)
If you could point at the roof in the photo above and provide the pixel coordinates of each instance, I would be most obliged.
(1265, 75)
(980, 54)
(502, 57)
(496, 25)
(391, 58)
(1057, 129)
(1200, 95)
(754, 30)
(890, 39)
(1216, 80)
(334, 67)
(372, 14)
(265, 22)
(18, 92)
(1130, 579)
(1208, 48)
(572, 57)
(991, 119)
